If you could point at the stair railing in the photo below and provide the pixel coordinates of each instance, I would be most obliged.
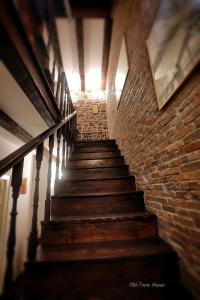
(64, 132)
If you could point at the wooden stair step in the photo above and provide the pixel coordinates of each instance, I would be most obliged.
(96, 149)
(105, 250)
(95, 143)
(62, 206)
(88, 229)
(106, 274)
(95, 163)
(96, 173)
(96, 155)
(95, 186)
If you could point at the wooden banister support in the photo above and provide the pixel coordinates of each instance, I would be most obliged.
(33, 239)
(54, 68)
(63, 152)
(61, 93)
(16, 184)
(48, 193)
(58, 86)
(58, 154)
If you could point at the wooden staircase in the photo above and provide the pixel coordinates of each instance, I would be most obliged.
(101, 243)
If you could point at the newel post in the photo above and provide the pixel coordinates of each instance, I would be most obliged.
(16, 184)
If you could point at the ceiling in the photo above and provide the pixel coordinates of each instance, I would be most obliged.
(93, 51)
(84, 31)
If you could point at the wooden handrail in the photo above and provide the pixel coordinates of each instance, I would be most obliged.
(16, 156)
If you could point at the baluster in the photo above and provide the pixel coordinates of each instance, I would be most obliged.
(67, 102)
(58, 153)
(48, 193)
(74, 129)
(33, 239)
(54, 68)
(64, 97)
(58, 86)
(63, 150)
(16, 184)
(62, 93)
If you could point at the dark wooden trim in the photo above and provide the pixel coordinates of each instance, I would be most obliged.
(80, 46)
(11, 126)
(106, 51)
(15, 157)
(19, 57)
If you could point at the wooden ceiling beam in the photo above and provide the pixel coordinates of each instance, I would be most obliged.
(11, 126)
(106, 51)
(80, 46)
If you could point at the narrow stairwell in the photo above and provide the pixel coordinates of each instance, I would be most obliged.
(101, 243)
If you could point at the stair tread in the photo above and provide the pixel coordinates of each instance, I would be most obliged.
(98, 179)
(125, 193)
(105, 250)
(104, 218)
(96, 157)
(94, 194)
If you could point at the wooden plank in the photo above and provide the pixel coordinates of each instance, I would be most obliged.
(16, 156)
(106, 51)
(80, 46)
(20, 59)
(11, 126)
(84, 9)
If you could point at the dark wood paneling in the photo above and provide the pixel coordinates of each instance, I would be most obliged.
(106, 52)
(7, 123)
(80, 46)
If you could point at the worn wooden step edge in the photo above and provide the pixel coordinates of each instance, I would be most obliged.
(142, 214)
(106, 142)
(96, 141)
(96, 158)
(125, 193)
(93, 150)
(95, 144)
(95, 194)
(97, 167)
(97, 179)
(129, 177)
(153, 247)
(124, 166)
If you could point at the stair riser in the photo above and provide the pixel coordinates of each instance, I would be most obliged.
(95, 155)
(99, 186)
(96, 149)
(97, 206)
(96, 163)
(75, 233)
(95, 173)
(106, 143)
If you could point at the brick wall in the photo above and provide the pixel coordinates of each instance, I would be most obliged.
(160, 147)
(91, 126)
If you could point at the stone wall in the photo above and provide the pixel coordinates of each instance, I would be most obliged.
(91, 126)
(160, 147)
